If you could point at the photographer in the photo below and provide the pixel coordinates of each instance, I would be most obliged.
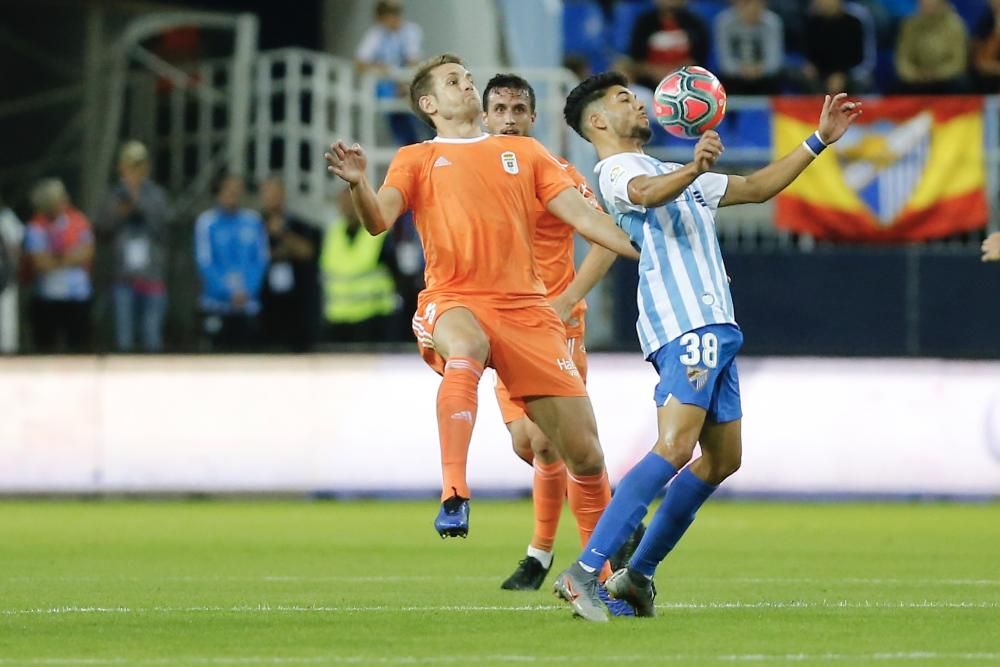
(133, 218)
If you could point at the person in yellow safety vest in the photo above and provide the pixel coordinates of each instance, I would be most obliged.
(359, 289)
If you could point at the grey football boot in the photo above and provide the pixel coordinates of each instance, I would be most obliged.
(579, 588)
(632, 587)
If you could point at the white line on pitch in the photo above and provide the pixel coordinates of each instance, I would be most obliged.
(855, 580)
(320, 609)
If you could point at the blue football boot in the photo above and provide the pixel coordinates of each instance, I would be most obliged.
(453, 519)
(616, 607)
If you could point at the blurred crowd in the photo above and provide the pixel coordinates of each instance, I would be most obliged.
(762, 47)
(266, 277)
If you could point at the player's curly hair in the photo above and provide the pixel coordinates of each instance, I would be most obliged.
(422, 83)
(512, 81)
(589, 90)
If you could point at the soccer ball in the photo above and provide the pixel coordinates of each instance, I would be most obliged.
(689, 102)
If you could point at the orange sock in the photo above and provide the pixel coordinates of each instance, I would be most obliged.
(457, 402)
(588, 496)
(548, 492)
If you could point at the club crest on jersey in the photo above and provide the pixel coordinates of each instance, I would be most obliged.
(698, 377)
(509, 162)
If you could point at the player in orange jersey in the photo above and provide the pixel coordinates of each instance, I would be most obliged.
(473, 198)
(509, 109)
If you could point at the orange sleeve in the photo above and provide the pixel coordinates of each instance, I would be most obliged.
(583, 186)
(551, 178)
(403, 175)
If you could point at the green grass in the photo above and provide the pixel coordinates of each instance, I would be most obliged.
(300, 583)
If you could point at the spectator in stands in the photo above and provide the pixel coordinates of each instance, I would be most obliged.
(880, 24)
(793, 17)
(359, 291)
(11, 237)
(231, 249)
(986, 50)
(932, 51)
(749, 41)
(59, 245)
(835, 40)
(133, 217)
(663, 39)
(290, 295)
(391, 44)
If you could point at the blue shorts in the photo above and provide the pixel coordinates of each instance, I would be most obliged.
(699, 368)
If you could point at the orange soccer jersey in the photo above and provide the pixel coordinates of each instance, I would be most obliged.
(473, 202)
(554, 258)
(554, 247)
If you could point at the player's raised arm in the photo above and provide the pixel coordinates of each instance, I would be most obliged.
(596, 226)
(653, 191)
(838, 114)
(378, 211)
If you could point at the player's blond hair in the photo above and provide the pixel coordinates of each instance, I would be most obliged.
(422, 83)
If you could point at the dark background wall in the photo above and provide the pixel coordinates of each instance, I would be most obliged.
(282, 23)
(856, 302)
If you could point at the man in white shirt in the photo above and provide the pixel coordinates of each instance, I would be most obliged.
(391, 44)
(749, 41)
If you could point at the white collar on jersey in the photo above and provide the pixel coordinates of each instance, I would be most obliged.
(600, 165)
(460, 140)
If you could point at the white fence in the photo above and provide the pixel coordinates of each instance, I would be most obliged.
(365, 424)
(298, 103)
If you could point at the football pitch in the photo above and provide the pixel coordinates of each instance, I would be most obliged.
(369, 583)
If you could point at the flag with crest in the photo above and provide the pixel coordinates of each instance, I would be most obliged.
(909, 169)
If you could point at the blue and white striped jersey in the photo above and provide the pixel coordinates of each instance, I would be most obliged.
(682, 280)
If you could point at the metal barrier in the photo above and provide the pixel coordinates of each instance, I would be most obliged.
(269, 113)
(223, 85)
(299, 102)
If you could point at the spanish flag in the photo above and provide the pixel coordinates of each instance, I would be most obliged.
(909, 169)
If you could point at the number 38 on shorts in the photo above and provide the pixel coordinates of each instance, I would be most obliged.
(699, 368)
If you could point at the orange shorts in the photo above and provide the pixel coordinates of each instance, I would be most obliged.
(528, 345)
(510, 410)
